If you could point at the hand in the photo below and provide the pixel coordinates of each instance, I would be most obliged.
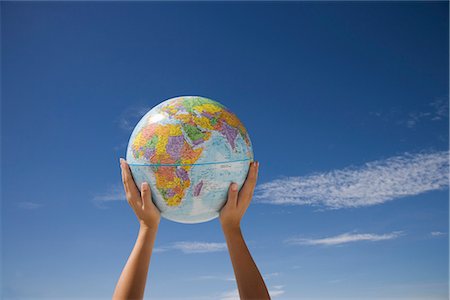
(141, 202)
(238, 202)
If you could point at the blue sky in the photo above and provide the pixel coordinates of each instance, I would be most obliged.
(346, 105)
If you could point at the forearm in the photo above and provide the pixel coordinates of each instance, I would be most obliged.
(249, 280)
(131, 284)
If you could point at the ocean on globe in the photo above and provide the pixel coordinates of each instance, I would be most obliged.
(189, 149)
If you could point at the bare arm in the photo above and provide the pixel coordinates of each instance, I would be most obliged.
(249, 280)
(131, 284)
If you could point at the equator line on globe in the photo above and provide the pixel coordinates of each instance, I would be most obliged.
(189, 149)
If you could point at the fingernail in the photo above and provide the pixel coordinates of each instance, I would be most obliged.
(121, 160)
(234, 187)
(144, 185)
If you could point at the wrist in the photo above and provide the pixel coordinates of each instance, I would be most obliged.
(231, 229)
(145, 228)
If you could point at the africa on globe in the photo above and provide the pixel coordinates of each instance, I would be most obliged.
(189, 149)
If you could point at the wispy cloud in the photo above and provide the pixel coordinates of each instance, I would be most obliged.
(437, 110)
(160, 249)
(230, 295)
(274, 291)
(344, 238)
(440, 106)
(213, 277)
(414, 118)
(373, 183)
(199, 247)
(278, 287)
(335, 281)
(437, 233)
(267, 276)
(28, 205)
(131, 116)
(114, 193)
(193, 247)
(271, 275)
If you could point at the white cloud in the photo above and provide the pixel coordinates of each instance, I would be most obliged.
(205, 277)
(230, 295)
(278, 287)
(159, 250)
(271, 275)
(440, 109)
(193, 247)
(345, 238)
(129, 118)
(213, 277)
(199, 247)
(115, 193)
(267, 276)
(121, 147)
(274, 291)
(373, 183)
(29, 205)
(437, 233)
(416, 117)
(335, 281)
(436, 110)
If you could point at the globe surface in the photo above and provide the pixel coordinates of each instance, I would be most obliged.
(189, 149)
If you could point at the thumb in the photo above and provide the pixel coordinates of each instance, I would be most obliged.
(232, 194)
(146, 195)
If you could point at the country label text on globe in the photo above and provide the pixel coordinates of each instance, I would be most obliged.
(189, 149)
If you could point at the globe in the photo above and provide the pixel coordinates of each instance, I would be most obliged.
(189, 149)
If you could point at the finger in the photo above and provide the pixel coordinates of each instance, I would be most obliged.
(146, 195)
(247, 189)
(130, 187)
(232, 195)
(129, 197)
(125, 187)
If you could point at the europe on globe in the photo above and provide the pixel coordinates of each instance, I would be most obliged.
(189, 149)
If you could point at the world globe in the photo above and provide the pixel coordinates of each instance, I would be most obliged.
(189, 149)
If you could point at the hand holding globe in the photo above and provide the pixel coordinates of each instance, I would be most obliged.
(238, 201)
(149, 215)
(189, 160)
(141, 202)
